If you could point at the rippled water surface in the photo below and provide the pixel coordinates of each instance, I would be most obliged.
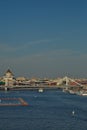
(50, 110)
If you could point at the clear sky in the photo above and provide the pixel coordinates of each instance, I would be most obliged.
(43, 38)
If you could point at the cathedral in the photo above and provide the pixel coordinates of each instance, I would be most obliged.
(8, 78)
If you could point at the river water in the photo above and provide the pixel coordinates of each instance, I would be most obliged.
(50, 110)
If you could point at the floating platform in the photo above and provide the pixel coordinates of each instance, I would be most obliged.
(13, 102)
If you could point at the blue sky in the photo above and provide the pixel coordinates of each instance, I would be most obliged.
(43, 38)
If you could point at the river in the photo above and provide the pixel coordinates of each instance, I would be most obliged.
(49, 110)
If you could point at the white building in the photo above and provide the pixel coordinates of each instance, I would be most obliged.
(8, 78)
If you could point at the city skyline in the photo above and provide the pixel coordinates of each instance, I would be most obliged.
(43, 38)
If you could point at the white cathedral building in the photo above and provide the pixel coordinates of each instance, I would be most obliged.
(8, 78)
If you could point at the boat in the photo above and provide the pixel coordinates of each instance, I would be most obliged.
(83, 93)
(73, 112)
(40, 90)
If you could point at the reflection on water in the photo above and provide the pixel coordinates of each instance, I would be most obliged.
(50, 110)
